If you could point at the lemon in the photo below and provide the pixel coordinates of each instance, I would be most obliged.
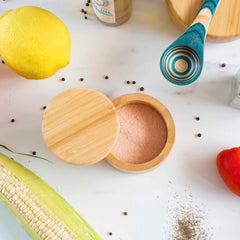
(34, 42)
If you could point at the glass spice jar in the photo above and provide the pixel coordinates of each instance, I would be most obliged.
(235, 94)
(112, 12)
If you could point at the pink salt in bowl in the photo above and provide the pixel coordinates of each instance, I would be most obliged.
(146, 136)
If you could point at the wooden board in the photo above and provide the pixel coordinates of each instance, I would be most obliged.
(81, 126)
(225, 25)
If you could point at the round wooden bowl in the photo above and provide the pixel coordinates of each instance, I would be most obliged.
(163, 111)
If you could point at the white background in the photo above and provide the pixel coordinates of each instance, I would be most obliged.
(129, 52)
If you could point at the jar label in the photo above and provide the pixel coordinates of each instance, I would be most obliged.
(105, 10)
(238, 89)
(235, 95)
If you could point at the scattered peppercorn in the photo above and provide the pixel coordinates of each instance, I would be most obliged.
(81, 79)
(12, 120)
(34, 153)
(197, 118)
(133, 82)
(85, 12)
(89, 1)
(3, 62)
(62, 79)
(223, 65)
(44, 107)
(199, 135)
(141, 89)
(125, 213)
(106, 77)
(85, 17)
(87, 4)
(82, 10)
(128, 82)
(110, 233)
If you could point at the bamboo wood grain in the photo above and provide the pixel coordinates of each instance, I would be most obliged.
(154, 103)
(80, 126)
(226, 22)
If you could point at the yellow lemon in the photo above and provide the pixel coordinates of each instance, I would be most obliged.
(34, 42)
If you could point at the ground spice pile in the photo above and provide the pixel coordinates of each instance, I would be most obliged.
(188, 222)
(189, 226)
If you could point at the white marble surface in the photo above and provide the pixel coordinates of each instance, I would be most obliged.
(99, 192)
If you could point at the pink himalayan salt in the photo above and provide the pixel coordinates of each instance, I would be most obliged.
(143, 134)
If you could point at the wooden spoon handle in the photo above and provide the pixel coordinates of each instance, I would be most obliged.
(206, 13)
(195, 35)
(211, 4)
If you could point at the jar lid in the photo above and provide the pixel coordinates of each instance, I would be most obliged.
(81, 126)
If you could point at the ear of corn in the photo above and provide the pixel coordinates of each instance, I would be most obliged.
(42, 211)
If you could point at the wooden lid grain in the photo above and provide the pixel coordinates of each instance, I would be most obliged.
(80, 126)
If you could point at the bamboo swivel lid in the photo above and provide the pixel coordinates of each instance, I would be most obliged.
(80, 126)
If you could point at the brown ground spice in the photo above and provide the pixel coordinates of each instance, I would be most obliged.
(188, 222)
(189, 227)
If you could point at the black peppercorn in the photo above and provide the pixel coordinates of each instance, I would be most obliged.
(81, 79)
(141, 89)
(133, 82)
(87, 4)
(34, 153)
(106, 77)
(85, 17)
(223, 65)
(62, 79)
(12, 120)
(128, 82)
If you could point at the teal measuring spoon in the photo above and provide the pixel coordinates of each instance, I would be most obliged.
(182, 62)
